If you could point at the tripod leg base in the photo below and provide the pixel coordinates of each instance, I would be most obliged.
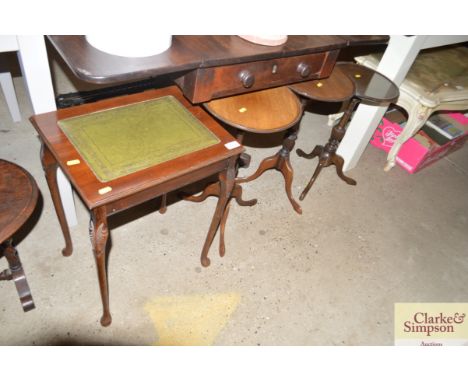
(314, 153)
(339, 162)
(312, 180)
(286, 169)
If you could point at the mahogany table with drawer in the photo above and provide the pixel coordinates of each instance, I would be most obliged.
(208, 67)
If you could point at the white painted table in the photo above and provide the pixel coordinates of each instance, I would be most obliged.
(32, 56)
(395, 64)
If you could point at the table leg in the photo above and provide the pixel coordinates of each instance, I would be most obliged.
(226, 182)
(6, 83)
(99, 233)
(50, 165)
(32, 56)
(163, 206)
(417, 117)
(281, 162)
(213, 189)
(315, 175)
(222, 228)
(17, 275)
(327, 154)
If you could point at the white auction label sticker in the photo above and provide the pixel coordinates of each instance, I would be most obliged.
(104, 190)
(73, 162)
(232, 145)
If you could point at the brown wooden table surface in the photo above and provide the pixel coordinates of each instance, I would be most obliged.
(189, 53)
(18, 197)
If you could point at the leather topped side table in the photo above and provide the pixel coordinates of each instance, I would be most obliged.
(18, 198)
(121, 152)
(348, 81)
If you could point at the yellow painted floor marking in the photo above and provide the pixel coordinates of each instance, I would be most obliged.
(191, 319)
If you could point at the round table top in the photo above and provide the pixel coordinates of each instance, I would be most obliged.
(18, 198)
(264, 111)
(370, 85)
(338, 87)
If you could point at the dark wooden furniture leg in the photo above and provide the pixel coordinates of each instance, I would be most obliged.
(222, 228)
(318, 150)
(327, 154)
(281, 162)
(163, 206)
(49, 164)
(99, 233)
(226, 184)
(16, 273)
(213, 189)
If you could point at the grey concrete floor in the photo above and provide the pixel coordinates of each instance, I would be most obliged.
(328, 277)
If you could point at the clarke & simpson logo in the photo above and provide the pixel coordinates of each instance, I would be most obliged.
(431, 324)
(428, 324)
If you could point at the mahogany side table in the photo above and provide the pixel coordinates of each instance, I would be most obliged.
(213, 151)
(264, 112)
(18, 198)
(348, 81)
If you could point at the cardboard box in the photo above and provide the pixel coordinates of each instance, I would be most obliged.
(427, 146)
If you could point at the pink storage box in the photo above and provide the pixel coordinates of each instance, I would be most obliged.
(419, 151)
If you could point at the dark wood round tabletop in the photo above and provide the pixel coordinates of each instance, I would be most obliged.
(338, 87)
(371, 86)
(18, 198)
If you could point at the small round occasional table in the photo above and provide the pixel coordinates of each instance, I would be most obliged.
(348, 81)
(18, 198)
(264, 112)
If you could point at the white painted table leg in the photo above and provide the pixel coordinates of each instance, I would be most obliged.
(10, 95)
(32, 56)
(417, 118)
(395, 63)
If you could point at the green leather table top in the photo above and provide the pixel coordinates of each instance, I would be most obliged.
(119, 141)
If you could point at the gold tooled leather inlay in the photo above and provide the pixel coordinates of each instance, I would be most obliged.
(120, 141)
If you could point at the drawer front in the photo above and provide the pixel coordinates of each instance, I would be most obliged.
(205, 84)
